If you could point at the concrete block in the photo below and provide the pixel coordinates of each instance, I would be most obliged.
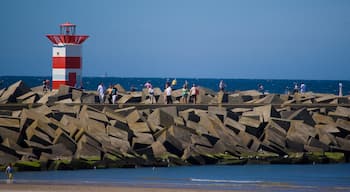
(120, 144)
(118, 133)
(13, 91)
(200, 140)
(340, 112)
(142, 140)
(89, 98)
(322, 119)
(302, 114)
(66, 140)
(158, 149)
(139, 127)
(220, 112)
(9, 122)
(134, 116)
(161, 118)
(249, 141)
(325, 98)
(249, 121)
(267, 112)
(300, 132)
(313, 142)
(234, 125)
(30, 97)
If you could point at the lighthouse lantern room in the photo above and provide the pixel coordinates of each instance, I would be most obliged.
(67, 56)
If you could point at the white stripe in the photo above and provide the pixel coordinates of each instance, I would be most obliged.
(62, 74)
(66, 51)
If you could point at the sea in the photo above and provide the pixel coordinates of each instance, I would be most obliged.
(289, 178)
(278, 86)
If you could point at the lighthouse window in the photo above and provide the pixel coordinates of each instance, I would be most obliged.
(58, 53)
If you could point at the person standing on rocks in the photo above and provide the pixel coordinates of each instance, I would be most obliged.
(168, 91)
(222, 86)
(184, 93)
(150, 90)
(302, 88)
(114, 94)
(193, 93)
(101, 92)
(340, 89)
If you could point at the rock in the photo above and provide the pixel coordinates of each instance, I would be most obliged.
(89, 98)
(300, 132)
(139, 127)
(220, 112)
(270, 99)
(249, 141)
(234, 125)
(134, 116)
(117, 133)
(340, 112)
(142, 140)
(267, 112)
(159, 151)
(120, 144)
(313, 142)
(304, 115)
(30, 97)
(248, 121)
(12, 123)
(325, 98)
(161, 118)
(66, 140)
(13, 91)
(322, 119)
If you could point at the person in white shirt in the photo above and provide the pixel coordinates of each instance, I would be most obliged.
(101, 92)
(168, 91)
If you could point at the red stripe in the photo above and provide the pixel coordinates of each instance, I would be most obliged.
(57, 84)
(66, 62)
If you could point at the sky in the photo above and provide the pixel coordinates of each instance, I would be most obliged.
(250, 39)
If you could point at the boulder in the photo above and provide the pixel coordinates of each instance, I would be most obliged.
(13, 91)
(304, 115)
(267, 112)
(62, 138)
(142, 140)
(117, 133)
(139, 127)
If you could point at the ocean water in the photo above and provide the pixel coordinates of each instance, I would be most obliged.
(323, 177)
(270, 85)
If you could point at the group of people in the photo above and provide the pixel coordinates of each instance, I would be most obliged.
(187, 95)
(111, 94)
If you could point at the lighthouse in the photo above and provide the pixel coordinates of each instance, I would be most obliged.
(66, 56)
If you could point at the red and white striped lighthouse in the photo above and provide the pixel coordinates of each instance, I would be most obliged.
(66, 56)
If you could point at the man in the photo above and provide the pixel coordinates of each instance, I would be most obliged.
(101, 92)
(168, 90)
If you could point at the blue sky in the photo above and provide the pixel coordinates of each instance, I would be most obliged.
(268, 39)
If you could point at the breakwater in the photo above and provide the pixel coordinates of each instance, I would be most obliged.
(68, 129)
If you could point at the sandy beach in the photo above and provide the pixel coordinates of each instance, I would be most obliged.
(91, 188)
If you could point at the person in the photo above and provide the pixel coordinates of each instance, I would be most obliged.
(173, 83)
(168, 90)
(340, 89)
(44, 86)
(296, 88)
(193, 93)
(101, 92)
(148, 84)
(9, 172)
(47, 82)
(114, 94)
(302, 88)
(222, 85)
(109, 93)
(184, 93)
(261, 89)
(151, 94)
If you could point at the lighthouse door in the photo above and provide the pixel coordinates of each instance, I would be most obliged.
(72, 79)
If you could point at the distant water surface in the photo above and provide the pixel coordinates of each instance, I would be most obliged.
(272, 86)
(329, 177)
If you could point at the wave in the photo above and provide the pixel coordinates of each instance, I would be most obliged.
(226, 181)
